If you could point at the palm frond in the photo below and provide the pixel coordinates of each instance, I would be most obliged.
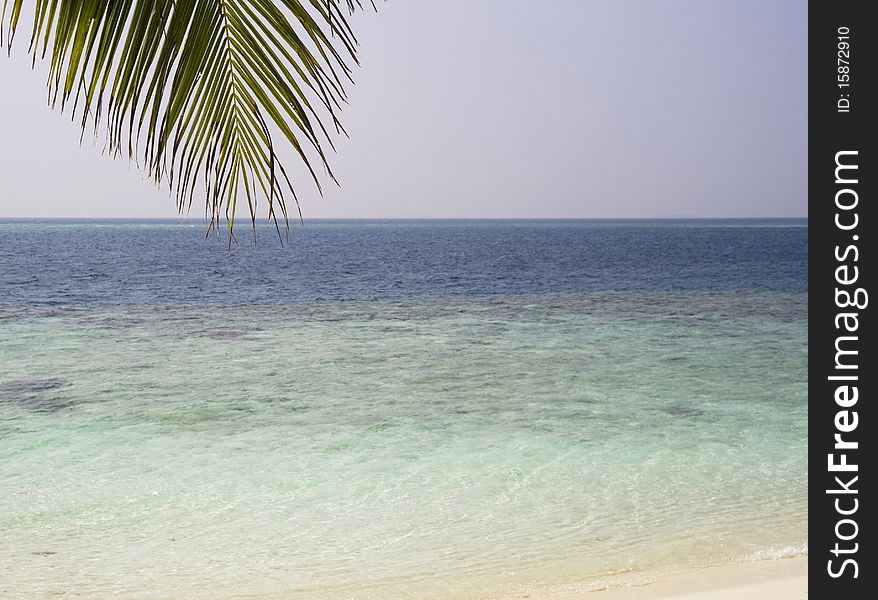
(196, 90)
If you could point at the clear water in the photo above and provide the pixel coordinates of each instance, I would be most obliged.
(402, 409)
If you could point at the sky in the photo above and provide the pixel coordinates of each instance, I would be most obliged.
(504, 109)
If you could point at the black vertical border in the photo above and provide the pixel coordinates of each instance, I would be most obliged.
(829, 132)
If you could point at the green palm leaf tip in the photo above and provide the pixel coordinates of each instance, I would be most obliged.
(196, 90)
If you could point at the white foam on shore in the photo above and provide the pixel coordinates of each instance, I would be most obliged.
(781, 552)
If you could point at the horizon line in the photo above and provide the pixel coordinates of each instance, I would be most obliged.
(292, 221)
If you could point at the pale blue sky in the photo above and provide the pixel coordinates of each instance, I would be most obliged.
(513, 108)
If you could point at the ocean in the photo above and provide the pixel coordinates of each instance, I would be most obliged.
(397, 409)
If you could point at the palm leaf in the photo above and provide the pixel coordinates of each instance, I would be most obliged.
(196, 90)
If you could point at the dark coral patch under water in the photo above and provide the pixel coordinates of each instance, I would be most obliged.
(34, 394)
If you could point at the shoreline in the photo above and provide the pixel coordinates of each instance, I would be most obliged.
(774, 579)
(769, 579)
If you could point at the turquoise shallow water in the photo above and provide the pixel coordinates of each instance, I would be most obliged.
(416, 447)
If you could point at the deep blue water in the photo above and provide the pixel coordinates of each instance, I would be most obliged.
(106, 263)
